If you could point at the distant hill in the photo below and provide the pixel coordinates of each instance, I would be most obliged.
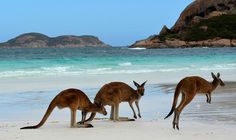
(38, 40)
(202, 23)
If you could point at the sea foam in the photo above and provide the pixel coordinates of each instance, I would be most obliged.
(125, 64)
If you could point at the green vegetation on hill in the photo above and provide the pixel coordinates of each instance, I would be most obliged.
(37, 40)
(63, 40)
(30, 37)
(221, 26)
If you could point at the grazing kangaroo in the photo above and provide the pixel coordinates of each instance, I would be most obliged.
(116, 92)
(74, 99)
(189, 86)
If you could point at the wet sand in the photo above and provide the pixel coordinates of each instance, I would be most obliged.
(222, 108)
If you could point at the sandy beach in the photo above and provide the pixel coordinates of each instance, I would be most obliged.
(199, 120)
(120, 130)
(50, 51)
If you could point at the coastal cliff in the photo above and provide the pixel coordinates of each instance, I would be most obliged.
(203, 23)
(37, 40)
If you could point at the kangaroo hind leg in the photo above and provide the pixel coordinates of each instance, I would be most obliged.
(73, 118)
(116, 112)
(112, 113)
(177, 112)
(187, 99)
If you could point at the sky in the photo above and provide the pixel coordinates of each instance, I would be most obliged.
(115, 22)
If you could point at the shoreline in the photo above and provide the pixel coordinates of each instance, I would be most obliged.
(230, 87)
(154, 106)
(177, 43)
(39, 83)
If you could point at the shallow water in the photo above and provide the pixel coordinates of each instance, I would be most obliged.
(155, 105)
(26, 62)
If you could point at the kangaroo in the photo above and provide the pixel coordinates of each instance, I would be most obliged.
(73, 99)
(189, 86)
(114, 93)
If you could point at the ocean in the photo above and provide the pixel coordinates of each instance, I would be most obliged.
(25, 62)
(30, 78)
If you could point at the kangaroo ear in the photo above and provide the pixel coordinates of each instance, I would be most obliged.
(218, 75)
(144, 83)
(213, 75)
(136, 84)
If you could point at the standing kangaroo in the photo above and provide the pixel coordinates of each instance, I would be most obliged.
(116, 92)
(189, 86)
(74, 99)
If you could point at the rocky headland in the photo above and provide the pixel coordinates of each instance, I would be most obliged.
(38, 40)
(204, 23)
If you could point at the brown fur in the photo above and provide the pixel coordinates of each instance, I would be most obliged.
(73, 99)
(189, 87)
(114, 93)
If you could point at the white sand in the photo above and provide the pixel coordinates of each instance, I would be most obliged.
(103, 130)
(108, 130)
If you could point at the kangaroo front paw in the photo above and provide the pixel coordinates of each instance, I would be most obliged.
(139, 116)
(84, 125)
(209, 101)
(135, 116)
(89, 125)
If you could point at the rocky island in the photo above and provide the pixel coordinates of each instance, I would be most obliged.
(204, 23)
(37, 40)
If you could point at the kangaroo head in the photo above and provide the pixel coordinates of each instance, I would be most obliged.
(216, 79)
(140, 88)
(101, 108)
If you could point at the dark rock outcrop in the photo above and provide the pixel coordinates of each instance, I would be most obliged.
(200, 9)
(37, 40)
(198, 25)
(164, 30)
(176, 43)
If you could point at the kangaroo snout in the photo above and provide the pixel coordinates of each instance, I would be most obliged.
(222, 84)
(105, 113)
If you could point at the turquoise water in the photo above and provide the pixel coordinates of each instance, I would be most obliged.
(24, 62)
(42, 62)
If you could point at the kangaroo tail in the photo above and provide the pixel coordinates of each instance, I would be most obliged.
(176, 95)
(46, 115)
